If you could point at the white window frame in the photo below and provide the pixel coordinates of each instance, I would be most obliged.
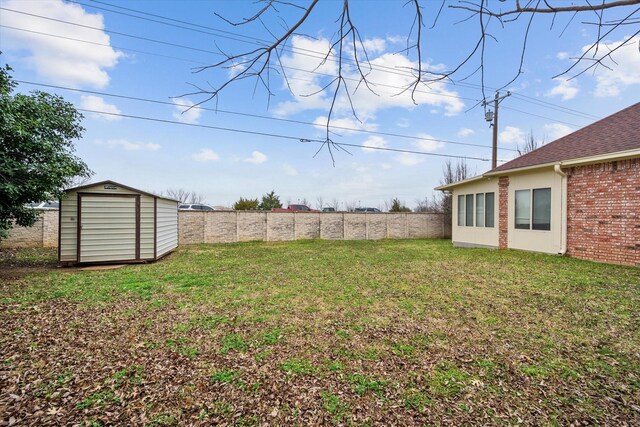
(530, 225)
(463, 212)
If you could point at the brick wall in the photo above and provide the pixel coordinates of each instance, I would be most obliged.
(503, 212)
(44, 233)
(604, 212)
(239, 226)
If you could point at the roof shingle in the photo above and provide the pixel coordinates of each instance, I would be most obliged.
(617, 132)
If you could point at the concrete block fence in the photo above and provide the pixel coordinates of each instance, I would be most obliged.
(244, 226)
(43, 234)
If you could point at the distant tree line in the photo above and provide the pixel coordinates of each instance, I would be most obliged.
(436, 203)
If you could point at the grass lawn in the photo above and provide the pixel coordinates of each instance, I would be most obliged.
(321, 333)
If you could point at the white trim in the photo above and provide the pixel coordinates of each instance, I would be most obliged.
(600, 158)
(446, 187)
(619, 155)
(563, 209)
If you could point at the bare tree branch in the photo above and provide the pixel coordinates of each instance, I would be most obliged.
(346, 49)
(596, 43)
(549, 9)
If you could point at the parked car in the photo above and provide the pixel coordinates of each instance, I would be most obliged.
(328, 209)
(194, 207)
(45, 205)
(360, 210)
(295, 208)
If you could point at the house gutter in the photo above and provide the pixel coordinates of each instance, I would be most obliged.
(563, 212)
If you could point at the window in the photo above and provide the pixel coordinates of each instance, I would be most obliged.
(480, 210)
(469, 211)
(542, 209)
(534, 204)
(489, 200)
(483, 212)
(523, 209)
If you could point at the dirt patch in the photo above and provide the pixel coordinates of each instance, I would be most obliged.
(17, 263)
(102, 267)
(8, 273)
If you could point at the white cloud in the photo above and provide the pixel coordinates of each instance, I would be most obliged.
(304, 75)
(205, 155)
(408, 159)
(308, 94)
(425, 145)
(562, 56)
(624, 72)
(374, 45)
(235, 69)
(56, 59)
(256, 158)
(396, 39)
(289, 170)
(512, 135)
(183, 113)
(374, 141)
(428, 143)
(465, 132)
(91, 102)
(557, 130)
(345, 123)
(566, 89)
(128, 145)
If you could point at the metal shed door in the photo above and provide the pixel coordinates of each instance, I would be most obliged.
(108, 228)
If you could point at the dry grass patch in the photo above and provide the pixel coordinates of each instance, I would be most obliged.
(322, 333)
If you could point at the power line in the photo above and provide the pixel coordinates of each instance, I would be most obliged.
(346, 128)
(101, 44)
(542, 103)
(542, 117)
(318, 55)
(261, 42)
(216, 53)
(227, 34)
(212, 31)
(62, 21)
(292, 49)
(433, 93)
(275, 135)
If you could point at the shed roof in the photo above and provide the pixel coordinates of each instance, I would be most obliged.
(615, 133)
(106, 182)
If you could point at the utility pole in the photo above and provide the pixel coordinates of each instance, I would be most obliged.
(493, 116)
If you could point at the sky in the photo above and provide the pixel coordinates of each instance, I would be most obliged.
(134, 68)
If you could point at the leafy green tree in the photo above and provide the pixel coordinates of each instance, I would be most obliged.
(270, 201)
(246, 204)
(398, 206)
(37, 133)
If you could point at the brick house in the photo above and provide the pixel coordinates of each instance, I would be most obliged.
(578, 195)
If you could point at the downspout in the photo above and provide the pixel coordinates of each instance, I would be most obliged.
(563, 210)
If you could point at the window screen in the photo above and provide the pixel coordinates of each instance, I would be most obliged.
(469, 211)
(480, 210)
(542, 209)
(489, 200)
(523, 209)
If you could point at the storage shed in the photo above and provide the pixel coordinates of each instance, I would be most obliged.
(109, 222)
